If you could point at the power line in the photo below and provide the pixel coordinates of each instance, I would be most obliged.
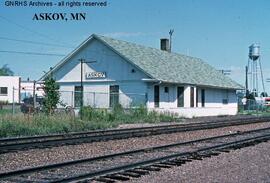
(34, 42)
(31, 53)
(29, 30)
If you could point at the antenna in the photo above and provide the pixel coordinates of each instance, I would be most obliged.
(171, 32)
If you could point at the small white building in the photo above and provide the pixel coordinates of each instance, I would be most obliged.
(27, 89)
(13, 86)
(132, 74)
(10, 89)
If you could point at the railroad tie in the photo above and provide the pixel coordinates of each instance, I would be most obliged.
(195, 156)
(102, 179)
(139, 171)
(161, 165)
(224, 150)
(213, 153)
(172, 163)
(151, 168)
(184, 159)
(117, 177)
(177, 162)
(130, 174)
(204, 155)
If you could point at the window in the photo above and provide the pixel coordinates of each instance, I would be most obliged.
(191, 96)
(203, 97)
(166, 89)
(78, 96)
(180, 96)
(225, 99)
(3, 90)
(156, 96)
(114, 95)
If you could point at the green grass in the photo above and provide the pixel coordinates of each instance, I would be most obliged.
(41, 124)
(5, 111)
(261, 111)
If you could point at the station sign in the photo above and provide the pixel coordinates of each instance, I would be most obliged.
(95, 75)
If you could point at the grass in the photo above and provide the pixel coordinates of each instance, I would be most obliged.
(5, 111)
(41, 124)
(261, 111)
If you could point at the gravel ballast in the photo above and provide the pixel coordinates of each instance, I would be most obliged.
(246, 165)
(37, 157)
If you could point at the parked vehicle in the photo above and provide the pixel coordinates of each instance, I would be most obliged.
(28, 105)
(267, 101)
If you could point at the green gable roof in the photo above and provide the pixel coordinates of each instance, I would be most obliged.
(170, 67)
(162, 65)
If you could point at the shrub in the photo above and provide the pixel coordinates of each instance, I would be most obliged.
(52, 95)
(41, 123)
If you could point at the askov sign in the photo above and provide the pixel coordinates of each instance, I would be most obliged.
(95, 75)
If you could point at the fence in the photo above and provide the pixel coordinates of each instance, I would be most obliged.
(252, 106)
(72, 99)
(101, 100)
(20, 99)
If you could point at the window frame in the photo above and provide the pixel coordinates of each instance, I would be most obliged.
(1, 90)
(166, 89)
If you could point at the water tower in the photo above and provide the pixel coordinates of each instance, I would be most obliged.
(255, 70)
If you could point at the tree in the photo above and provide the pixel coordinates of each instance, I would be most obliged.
(6, 71)
(52, 95)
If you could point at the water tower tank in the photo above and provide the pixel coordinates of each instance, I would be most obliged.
(254, 52)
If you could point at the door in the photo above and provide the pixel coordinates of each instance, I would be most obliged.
(191, 96)
(114, 95)
(180, 96)
(156, 96)
(203, 97)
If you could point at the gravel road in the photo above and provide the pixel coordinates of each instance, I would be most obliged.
(36, 157)
(246, 165)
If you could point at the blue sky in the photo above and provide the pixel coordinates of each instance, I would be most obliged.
(218, 31)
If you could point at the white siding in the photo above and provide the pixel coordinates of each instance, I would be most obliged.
(213, 102)
(96, 91)
(116, 68)
(97, 94)
(10, 82)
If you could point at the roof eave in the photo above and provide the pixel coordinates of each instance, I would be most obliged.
(206, 86)
(66, 58)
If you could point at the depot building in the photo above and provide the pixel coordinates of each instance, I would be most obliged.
(111, 71)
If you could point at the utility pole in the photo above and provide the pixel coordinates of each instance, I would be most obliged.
(81, 100)
(82, 61)
(34, 96)
(247, 93)
(13, 101)
(171, 32)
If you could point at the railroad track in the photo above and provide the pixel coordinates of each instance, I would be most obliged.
(133, 164)
(24, 143)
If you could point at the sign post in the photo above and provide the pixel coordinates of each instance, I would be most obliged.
(82, 61)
